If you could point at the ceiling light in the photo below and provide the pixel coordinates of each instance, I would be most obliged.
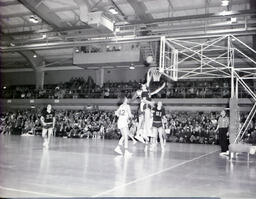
(112, 11)
(224, 2)
(117, 29)
(77, 50)
(43, 30)
(35, 56)
(233, 20)
(12, 44)
(132, 67)
(4, 87)
(43, 36)
(33, 19)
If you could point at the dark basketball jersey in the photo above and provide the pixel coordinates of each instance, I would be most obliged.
(146, 95)
(48, 117)
(158, 114)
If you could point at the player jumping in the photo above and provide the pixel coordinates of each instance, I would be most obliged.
(145, 110)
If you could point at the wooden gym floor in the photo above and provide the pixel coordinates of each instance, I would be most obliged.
(90, 168)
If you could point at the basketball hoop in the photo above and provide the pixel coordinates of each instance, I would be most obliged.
(154, 72)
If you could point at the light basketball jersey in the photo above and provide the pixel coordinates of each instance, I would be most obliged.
(123, 112)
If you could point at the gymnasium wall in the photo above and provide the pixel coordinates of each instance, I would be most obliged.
(55, 77)
(213, 104)
(18, 78)
(124, 74)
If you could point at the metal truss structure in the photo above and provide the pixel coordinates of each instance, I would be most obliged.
(220, 57)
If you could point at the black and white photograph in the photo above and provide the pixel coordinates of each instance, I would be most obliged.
(128, 99)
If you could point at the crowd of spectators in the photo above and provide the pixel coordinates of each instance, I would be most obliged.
(74, 88)
(69, 123)
(192, 127)
(250, 136)
(182, 127)
(80, 88)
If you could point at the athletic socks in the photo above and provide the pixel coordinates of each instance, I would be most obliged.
(118, 150)
(127, 153)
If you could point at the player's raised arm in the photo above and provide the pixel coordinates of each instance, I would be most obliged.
(145, 101)
(158, 90)
(149, 77)
(136, 95)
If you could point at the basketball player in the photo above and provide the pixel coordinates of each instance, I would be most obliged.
(123, 113)
(158, 116)
(132, 130)
(48, 123)
(145, 110)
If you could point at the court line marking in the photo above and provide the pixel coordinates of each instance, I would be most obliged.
(31, 192)
(153, 174)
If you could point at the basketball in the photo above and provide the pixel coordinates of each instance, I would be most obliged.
(149, 59)
(252, 150)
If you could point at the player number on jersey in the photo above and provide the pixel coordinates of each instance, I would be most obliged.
(48, 117)
(122, 112)
(158, 113)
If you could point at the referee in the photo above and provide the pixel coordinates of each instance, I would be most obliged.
(48, 123)
(223, 124)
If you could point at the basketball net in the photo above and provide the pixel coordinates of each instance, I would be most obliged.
(154, 72)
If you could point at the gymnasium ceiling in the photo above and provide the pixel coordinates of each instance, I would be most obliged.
(50, 28)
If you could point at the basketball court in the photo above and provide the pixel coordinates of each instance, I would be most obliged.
(167, 41)
(90, 168)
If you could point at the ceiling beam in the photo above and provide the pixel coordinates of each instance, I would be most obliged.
(119, 9)
(195, 17)
(188, 35)
(71, 8)
(15, 15)
(42, 11)
(28, 25)
(31, 32)
(16, 70)
(180, 18)
(29, 55)
(170, 4)
(8, 3)
(140, 10)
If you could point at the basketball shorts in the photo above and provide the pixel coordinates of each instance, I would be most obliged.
(157, 124)
(48, 125)
(122, 124)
